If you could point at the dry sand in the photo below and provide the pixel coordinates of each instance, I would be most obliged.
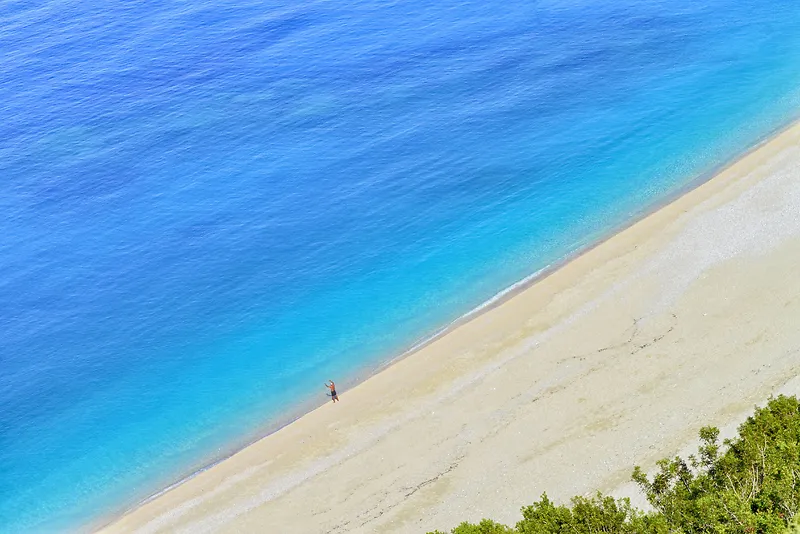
(689, 317)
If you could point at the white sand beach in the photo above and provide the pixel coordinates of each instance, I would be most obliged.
(687, 318)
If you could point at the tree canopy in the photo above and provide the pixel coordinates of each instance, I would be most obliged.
(747, 484)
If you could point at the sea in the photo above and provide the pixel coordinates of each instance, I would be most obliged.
(208, 207)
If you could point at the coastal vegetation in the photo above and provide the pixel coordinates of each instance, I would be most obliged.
(747, 484)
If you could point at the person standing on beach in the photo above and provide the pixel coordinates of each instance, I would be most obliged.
(332, 387)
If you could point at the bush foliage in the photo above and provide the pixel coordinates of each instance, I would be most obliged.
(749, 484)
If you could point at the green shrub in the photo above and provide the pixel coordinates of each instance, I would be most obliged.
(586, 516)
(751, 487)
(484, 527)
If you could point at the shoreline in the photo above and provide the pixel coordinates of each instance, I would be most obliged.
(494, 303)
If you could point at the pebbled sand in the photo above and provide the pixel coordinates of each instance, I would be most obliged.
(689, 317)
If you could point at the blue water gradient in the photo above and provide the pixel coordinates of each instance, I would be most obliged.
(209, 208)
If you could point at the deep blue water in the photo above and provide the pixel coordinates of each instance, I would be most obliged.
(209, 208)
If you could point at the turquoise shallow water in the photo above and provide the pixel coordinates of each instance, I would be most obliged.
(209, 209)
